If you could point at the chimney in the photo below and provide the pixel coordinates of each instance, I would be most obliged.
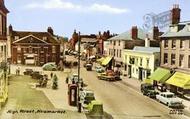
(10, 30)
(155, 33)
(147, 41)
(134, 33)
(50, 30)
(175, 14)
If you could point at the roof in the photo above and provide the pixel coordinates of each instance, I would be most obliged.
(183, 31)
(39, 35)
(146, 49)
(87, 40)
(127, 35)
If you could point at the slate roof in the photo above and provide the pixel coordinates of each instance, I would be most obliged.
(184, 31)
(146, 49)
(127, 35)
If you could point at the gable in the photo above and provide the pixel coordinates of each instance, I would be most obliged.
(30, 39)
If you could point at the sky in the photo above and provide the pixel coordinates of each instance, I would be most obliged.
(86, 16)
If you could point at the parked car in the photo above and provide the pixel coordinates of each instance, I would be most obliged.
(148, 90)
(95, 109)
(36, 75)
(169, 99)
(99, 69)
(50, 66)
(89, 67)
(86, 96)
(28, 71)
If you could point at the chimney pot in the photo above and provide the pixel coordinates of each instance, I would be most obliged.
(134, 32)
(175, 14)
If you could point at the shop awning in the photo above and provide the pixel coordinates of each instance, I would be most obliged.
(100, 60)
(181, 80)
(149, 81)
(160, 75)
(106, 60)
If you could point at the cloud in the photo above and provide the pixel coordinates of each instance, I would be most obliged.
(60, 4)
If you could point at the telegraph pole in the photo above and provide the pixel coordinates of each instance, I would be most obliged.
(79, 103)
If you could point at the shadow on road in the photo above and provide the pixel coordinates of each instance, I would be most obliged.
(105, 116)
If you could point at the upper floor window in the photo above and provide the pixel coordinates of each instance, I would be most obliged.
(173, 43)
(147, 62)
(16, 37)
(44, 38)
(165, 58)
(110, 42)
(141, 61)
(119, 42)
(181, 60)
(172, 59)
(30, 49)
(53, 49)
(18, 49)
(114, 42)
(189, 61)
(165, 43)
(182, 44)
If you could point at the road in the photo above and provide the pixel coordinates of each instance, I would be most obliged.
(123, 102)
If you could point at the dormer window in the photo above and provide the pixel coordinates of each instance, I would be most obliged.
(16, 37)
(174, 29)
(44, 38)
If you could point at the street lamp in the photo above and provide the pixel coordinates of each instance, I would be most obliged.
(79, 103)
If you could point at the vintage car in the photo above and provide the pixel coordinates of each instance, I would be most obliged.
(95, 109)
(169, 99)
(99, 69)
(28, 71)
(89, 67)
(86, 96)
(50, 66)
(148, 90)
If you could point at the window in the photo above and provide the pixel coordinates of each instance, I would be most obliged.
(114, 52)
(173, 43)
(44, 38)
(1, 25)
(165, 43)
(117, 52)
(181, 60)
(119, 42)
(53, 49)
(182, 44)
(147, 62)
(16, 37)
(18, 49)
(172, 59)
(141, 61)
(120, 53)
(30, 50)
(165, 58)
(24, 50)
(125, 67)
(113, 42)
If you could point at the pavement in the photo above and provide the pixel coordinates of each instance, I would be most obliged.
(58, 99)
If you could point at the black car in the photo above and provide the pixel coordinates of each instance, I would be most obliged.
(89, 67)
(36, 75)
(148, 90)
(28, 72)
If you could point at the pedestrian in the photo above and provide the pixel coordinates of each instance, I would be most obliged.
(18, 70)
(51, 75)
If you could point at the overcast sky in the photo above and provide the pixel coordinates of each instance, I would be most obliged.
(86, 16)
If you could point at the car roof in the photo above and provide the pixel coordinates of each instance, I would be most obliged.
(167, 93)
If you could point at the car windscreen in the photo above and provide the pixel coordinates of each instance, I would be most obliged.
(170, 96)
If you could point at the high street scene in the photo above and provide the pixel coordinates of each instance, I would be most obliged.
(68, 59)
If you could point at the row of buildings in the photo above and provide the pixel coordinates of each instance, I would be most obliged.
(163, 57)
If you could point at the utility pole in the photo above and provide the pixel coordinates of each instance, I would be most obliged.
(79, 103)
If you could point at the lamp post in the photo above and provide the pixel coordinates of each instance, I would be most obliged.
(79, 103)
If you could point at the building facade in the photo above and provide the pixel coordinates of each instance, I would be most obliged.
(34, 48)
(127, 40)
(3, 53)
(141, 61)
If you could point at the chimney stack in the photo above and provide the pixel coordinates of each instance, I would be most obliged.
(155, 33)
(147, 41)
(50, 30)
(175, 14)
(134, 33)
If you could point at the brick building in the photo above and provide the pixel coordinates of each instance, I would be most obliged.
(3, 30)
(35, 48)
